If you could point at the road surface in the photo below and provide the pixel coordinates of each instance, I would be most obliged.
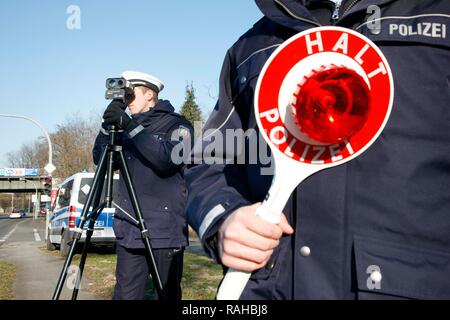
(22, 243)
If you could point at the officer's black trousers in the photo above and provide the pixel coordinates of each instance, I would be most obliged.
(132, 272)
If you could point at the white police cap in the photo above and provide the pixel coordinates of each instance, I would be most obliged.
(143, 79)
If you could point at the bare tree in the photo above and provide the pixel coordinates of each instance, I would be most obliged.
(73, 143)
(72, 147)
(21, 158)
(5, 202)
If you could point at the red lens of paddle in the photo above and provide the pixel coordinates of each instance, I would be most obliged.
(332, 105)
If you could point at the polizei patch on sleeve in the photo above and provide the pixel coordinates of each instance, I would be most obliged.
(426, 29)
(181, 133)
(432, 28)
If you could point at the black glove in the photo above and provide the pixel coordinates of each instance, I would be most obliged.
(115, 115)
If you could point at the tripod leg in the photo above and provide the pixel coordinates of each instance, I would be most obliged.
(142, 226)
(90, 230)
(95, 214)
(98, 179)
(110, 175)
(98, 209)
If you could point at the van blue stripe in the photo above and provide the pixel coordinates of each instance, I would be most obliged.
(104, 220)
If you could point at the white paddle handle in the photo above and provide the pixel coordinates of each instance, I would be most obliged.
(235, 281)
(233, 285)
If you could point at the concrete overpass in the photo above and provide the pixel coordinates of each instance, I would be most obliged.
(22, 184)
(37, 186)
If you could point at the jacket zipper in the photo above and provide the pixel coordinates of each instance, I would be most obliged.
(294, 15)
(337, 7)
(334, 17)
(349, 7)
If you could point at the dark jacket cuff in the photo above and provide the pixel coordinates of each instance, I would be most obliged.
(212, 222)
(133, 129)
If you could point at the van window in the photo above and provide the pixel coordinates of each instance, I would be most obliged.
(64, 196)
(85, 187)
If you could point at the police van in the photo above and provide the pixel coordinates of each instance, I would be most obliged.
(66, 211)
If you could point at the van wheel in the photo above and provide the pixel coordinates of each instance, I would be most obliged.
(50, 245)
(64, 247)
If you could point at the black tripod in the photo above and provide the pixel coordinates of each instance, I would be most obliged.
(105, 167)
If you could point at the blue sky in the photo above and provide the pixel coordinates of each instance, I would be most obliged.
(49, 72)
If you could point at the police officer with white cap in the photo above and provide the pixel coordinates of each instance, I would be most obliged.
(151, 130)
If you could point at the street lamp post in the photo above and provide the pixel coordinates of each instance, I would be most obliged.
(49, 167)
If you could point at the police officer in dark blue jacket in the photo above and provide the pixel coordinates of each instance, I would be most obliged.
(151, 132)
(377, 227)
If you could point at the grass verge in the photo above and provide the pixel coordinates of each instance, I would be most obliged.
(7, 278)
(201, 276)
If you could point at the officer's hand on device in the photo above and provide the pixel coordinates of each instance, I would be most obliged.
(115, 115)
(246, 242)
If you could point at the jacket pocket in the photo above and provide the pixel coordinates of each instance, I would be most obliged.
(161, 224)
(385, 270)
(159, 217)
(118, 227)
(248, 70)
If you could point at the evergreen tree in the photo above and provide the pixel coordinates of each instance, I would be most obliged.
(190, 109)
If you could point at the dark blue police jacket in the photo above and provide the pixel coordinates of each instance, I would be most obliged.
(386, 212)
(158, 180)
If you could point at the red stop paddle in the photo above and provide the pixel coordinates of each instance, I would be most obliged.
(322, 98)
